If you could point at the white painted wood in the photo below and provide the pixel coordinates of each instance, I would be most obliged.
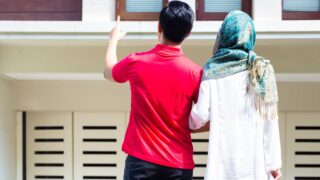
(287, 122)
(191, 3)
(100, 119)
(270, 10)
(98, 10)
(37, 119)
(35, 28)
(200, 159)
(302, 119)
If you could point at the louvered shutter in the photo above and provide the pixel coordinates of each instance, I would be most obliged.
(97, 145)
(49, 145)
(200, 148)
(303, 146)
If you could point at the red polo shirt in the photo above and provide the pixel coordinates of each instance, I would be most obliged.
(164, 83)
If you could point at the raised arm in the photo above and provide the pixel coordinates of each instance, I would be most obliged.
(111, 55)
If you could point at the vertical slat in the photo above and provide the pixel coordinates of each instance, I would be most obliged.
(97, 142)
(48, 164)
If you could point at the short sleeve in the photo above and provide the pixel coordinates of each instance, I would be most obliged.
(197, 76)
(120, 72)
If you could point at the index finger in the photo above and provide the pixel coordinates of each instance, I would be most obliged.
(118, 21)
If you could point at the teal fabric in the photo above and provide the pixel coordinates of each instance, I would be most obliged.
(233, 48)
(233, 53)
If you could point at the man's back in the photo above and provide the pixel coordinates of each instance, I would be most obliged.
(163, 85)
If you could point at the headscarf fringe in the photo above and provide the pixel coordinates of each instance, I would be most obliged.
(266, 101)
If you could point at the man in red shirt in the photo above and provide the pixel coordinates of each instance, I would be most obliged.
(164, 84)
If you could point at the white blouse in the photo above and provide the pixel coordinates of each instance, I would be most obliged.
(242, 146)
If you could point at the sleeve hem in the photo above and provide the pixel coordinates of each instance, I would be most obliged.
(273, 168)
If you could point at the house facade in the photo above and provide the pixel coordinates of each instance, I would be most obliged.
(59, 118)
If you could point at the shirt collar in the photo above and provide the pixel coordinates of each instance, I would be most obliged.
(168, 50)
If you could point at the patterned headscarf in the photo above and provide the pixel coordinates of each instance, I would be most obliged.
(233, 53)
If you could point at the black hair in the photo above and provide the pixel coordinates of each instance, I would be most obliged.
(176, 20)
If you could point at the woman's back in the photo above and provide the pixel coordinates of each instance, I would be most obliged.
(239, 139)
(238, 94)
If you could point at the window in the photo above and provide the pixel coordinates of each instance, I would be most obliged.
(133, 10)
(218, 9)
(301, 10)
(66, 10)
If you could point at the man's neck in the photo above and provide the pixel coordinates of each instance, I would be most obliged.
(169, 43)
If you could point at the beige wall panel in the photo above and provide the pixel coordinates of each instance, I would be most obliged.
(90, 59)
(7, 131)
(300, 97)
(108, 96)
(72, 96)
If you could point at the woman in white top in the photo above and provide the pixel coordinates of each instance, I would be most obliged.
(238, 95)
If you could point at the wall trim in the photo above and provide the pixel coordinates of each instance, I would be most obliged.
(281, 77)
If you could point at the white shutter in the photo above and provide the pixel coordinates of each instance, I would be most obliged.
(200, 148)
(301, 5)
(303, 146)
(49, 145)
(221, 5)
(143, 5)
(97, 145)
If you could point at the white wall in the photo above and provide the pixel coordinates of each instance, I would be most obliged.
(98, 10)
(90, 59)
(270, 10)
(99, 16)
(107, 96)
(72, 96)
(7, 132)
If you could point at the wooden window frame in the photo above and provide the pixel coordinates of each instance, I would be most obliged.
(219, 16)
(48, 11)
(299, 15)
(136, 16)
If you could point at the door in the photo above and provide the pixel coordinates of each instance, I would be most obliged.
(79, 145)
(49, 145)
(97, 145)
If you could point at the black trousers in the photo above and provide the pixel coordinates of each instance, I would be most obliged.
(137, 169)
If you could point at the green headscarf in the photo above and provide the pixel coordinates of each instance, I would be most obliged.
(233, 53)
